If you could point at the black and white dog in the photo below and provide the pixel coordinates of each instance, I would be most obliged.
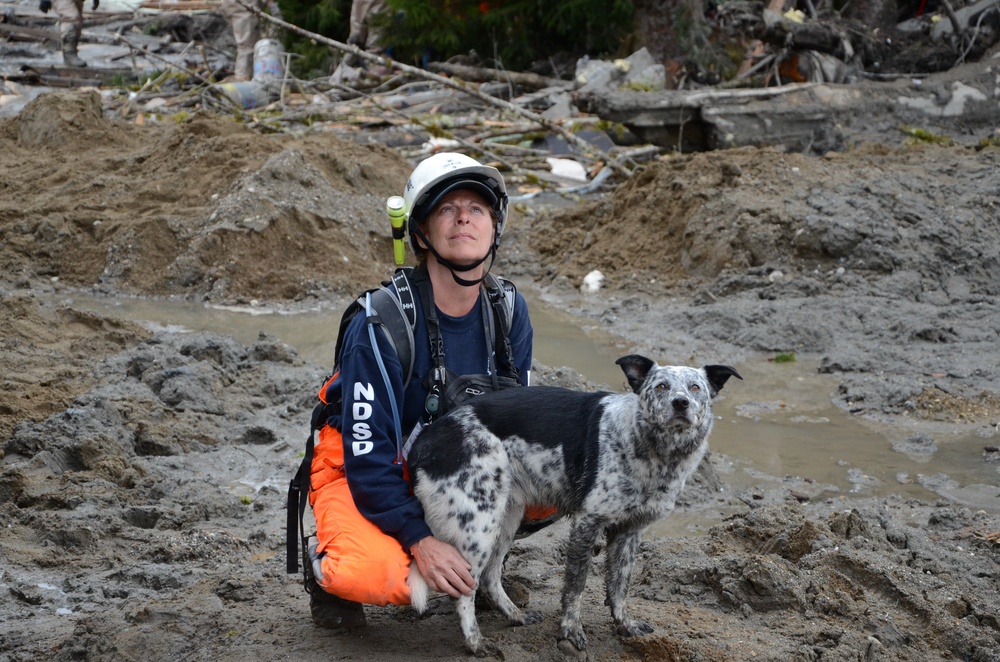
(614, 462)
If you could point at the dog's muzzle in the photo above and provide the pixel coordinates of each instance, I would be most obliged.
(680, 407)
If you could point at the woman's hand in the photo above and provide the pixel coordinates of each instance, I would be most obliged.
(443, 567)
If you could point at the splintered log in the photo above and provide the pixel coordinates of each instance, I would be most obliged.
(61, 76)
(484, 75)
(25, 33)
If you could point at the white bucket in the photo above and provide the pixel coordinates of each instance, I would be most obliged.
(268, 61)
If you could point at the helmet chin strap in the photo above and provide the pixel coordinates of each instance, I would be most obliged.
(452, 267)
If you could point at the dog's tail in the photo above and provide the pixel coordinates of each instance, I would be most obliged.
(418, 588)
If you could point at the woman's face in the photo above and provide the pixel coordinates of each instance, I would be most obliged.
(460, 227)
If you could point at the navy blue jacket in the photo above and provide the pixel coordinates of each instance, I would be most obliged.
(377, 483)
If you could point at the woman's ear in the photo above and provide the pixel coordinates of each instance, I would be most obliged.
(419, 236)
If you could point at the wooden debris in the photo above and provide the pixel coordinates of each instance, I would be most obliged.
(64, 76)
(25, 33)
(461, 86)
(483, 75)
(975, 533)
(181, 5)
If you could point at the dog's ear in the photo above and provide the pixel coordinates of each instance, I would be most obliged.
(636, 368)
(718, 375)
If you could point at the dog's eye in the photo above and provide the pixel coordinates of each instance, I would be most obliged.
(695, 387)
(661, 387)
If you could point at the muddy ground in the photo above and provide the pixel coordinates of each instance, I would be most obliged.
(143, 476)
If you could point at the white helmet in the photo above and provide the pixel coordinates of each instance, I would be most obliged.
(445, 172)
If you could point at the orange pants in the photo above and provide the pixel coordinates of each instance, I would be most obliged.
(360, 562)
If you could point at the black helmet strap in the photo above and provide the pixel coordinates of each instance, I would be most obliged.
(452, 267)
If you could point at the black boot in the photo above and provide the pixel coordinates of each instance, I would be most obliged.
(329, 611)
(69, 46)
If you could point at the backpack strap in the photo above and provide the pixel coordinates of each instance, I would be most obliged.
(394, 312)
(295, 508)
(499, 284)
(502, 294)
(390, 316)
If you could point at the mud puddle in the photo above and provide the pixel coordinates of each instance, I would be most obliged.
(776, 431)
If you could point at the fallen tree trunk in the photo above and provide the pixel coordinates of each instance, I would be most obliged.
(483, 75)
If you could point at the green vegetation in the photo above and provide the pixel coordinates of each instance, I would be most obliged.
(784, 357)
(510, 34)
(330, 18)
(990, 141)
(919, 135)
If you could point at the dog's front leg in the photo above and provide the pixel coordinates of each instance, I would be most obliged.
(579, 552)
(475, 642)
(623, 545)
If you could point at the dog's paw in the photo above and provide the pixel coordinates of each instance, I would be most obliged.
(634, 628)
(486, 648)
(531, 617)
(573, 638)
(570, 650)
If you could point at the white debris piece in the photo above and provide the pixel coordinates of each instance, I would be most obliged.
(592, 281)
(567, 168)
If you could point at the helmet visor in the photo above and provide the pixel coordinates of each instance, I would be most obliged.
(423, 206)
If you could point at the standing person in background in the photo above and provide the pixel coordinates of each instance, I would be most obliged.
(246, 32)
(363, 34)
(70, 13)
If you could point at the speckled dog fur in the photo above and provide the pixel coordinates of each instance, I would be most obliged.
(613, 462)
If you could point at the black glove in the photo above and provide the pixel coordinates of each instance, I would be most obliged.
(97, 3)
(44, 6)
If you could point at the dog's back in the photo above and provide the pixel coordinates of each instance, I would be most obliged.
(548, 441)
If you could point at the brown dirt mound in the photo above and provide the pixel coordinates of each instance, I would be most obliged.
(33, 339)
(95, 202)
(691, 219)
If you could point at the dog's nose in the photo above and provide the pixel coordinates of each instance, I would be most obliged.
(680, 404)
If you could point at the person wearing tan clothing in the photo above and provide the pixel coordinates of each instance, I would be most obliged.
(70, 13)
(362, 35)
(246, 32)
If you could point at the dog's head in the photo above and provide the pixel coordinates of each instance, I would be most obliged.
(675, 397)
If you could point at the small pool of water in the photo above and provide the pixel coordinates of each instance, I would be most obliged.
(778, 427)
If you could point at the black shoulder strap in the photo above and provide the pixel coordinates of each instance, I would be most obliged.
(502, 294)
(498, 285)
(394, 312)
(388, 312)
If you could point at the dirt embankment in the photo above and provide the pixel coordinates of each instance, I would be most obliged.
(143, 475)
(202, 207)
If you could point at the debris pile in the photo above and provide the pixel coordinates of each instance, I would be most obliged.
(801, 78)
